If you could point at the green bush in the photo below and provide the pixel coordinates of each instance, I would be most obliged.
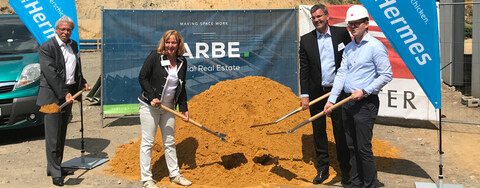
(468, 31)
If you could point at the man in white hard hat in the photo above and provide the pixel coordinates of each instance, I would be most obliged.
(320, 57)
(364, 71)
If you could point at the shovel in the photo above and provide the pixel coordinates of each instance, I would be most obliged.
(219, 135)
(294, 111)
(54, 108)
(314, 117)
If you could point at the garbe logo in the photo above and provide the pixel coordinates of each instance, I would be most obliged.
(213, 50)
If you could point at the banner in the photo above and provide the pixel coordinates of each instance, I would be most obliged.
(40, 16)
(220, 45)
(402, 97)
(412, 29)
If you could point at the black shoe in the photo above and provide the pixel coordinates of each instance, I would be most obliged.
(321, 176)
(380, 184)
(64, 173)
(346, 180)
(67, 172)
(57, 181)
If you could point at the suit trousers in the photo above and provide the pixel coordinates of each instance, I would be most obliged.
(55, 133)
(359, 118)
(321, 140)
(151, 118)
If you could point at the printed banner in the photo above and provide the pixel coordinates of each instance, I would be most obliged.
(412, 29)
(40, 16)
(401, 98)
(220, 45)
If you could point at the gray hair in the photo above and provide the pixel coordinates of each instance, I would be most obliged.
(65, 19)
(319, 6)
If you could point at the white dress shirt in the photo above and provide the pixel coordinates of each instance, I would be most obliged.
(70, 60)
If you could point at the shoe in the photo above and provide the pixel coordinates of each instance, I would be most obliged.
(149, 184)
(321, 176)
(346, 179)
(180, 180)
(67, 172)
(380, 184)
(57, 181)
(64, 173)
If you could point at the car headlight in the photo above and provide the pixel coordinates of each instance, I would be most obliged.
(30, 74)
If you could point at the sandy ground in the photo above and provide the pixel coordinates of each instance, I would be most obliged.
(22, 156)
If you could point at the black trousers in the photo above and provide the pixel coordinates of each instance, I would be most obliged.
(55, 134)
(321, 141)
(359, 118)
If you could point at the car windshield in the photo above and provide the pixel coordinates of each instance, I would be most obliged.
(15, 37)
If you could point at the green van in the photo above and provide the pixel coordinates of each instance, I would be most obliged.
(19, 75)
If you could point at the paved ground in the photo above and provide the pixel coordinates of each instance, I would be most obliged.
(22, 155)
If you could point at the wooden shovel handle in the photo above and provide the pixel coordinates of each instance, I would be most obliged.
(78, 93)
(316, 100)
(182, 116)
(331, 107)
(73, 98)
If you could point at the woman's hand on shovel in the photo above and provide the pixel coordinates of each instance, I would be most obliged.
(156, 103)
(187, 116)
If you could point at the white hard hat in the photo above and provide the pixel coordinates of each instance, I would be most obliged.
(356, 12)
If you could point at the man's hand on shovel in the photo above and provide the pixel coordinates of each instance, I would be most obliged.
(69, 97)
(327, 109)
(54, 108)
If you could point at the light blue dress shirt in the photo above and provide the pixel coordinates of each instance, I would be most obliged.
(364, 66)
(327, 60)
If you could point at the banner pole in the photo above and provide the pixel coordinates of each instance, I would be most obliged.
(440, 151)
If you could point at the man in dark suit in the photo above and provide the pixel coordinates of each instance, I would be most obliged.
(61, 76)
(320, 57)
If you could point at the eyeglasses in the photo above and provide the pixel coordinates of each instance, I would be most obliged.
(317, 17)
(354, 24)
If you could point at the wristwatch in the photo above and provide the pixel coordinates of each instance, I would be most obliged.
(365, 94)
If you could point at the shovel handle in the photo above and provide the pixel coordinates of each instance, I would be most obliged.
(332, 107)
(181, 115)
(73, 97)
(318, 115)
(319, 98)
(316, 100)
(300, 108)
(220, 135)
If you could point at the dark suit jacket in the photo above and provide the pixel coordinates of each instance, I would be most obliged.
(52, 79)
(310, 69)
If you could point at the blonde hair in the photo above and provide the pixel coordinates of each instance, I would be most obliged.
(166, 36)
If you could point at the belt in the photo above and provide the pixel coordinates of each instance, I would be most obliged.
(326, 88)
(348, 94)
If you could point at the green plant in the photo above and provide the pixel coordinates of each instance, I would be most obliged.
(468, 31)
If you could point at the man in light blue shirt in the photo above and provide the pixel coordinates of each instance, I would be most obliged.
(364, 70)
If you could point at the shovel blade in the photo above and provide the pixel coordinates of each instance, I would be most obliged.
(264, 124)
(222, 137)
(283, 132)
(50, 108)
(289, 114)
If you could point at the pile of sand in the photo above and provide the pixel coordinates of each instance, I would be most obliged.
(251, 157)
